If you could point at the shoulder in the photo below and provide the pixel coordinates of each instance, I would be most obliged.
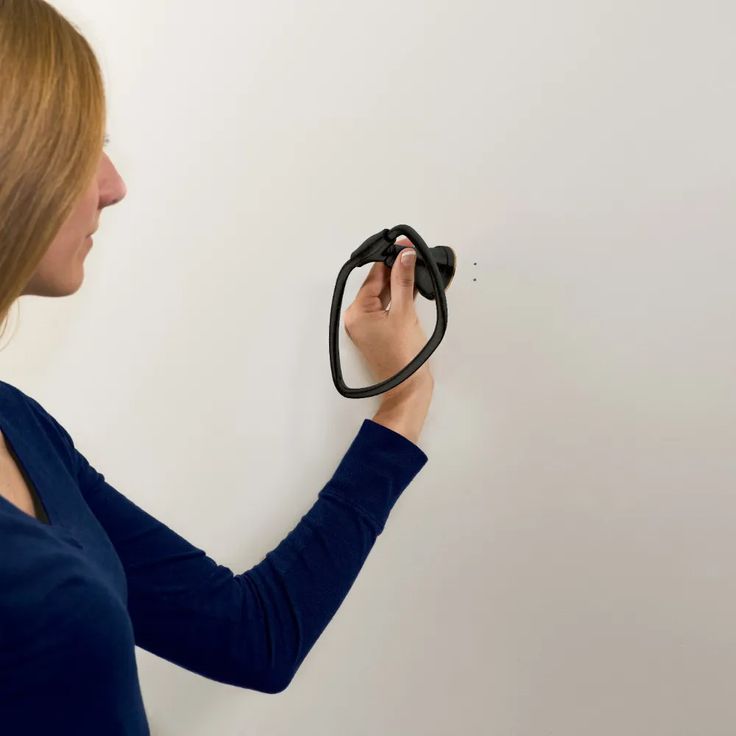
(18, 406)
(9, 390)
(23, 411)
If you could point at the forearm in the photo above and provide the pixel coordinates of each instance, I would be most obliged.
(302, 582)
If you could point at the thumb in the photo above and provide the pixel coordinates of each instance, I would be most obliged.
(402, 279)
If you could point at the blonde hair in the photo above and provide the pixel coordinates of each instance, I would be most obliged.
(52, 129)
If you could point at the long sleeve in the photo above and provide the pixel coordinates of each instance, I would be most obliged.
(252, 629)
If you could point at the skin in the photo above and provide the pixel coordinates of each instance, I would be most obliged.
(61, 270)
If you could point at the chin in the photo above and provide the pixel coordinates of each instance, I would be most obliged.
(70, 287)
(55, 288)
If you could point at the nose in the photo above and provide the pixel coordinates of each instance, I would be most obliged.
(116, 193)
(112, 186)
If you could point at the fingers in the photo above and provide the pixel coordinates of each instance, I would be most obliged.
(375, 282)
(402, 280)
(380, 279)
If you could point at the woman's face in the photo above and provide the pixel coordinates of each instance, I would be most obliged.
(61, 270)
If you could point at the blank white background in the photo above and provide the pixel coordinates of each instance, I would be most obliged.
(564, 563)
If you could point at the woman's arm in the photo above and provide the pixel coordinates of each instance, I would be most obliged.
(252, 629)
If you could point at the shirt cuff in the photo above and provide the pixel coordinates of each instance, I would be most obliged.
(374, 472)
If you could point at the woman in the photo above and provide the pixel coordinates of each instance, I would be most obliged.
(86, 574)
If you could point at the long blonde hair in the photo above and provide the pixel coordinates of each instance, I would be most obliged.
(52, 128)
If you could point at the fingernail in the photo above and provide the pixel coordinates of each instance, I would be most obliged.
(408, 255)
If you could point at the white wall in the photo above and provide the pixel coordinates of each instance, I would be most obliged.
(563, 565)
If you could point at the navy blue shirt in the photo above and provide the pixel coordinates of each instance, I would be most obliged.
(79, 592)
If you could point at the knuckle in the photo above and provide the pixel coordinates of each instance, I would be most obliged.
(349, 319)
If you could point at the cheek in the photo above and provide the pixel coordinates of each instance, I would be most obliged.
(62, 252)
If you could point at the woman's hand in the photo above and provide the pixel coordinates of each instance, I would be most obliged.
(389, 339)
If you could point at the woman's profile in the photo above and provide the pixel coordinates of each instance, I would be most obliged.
(86, 574)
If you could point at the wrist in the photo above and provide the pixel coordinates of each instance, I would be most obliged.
(417, 388)
(407, 424)
(406, 413)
